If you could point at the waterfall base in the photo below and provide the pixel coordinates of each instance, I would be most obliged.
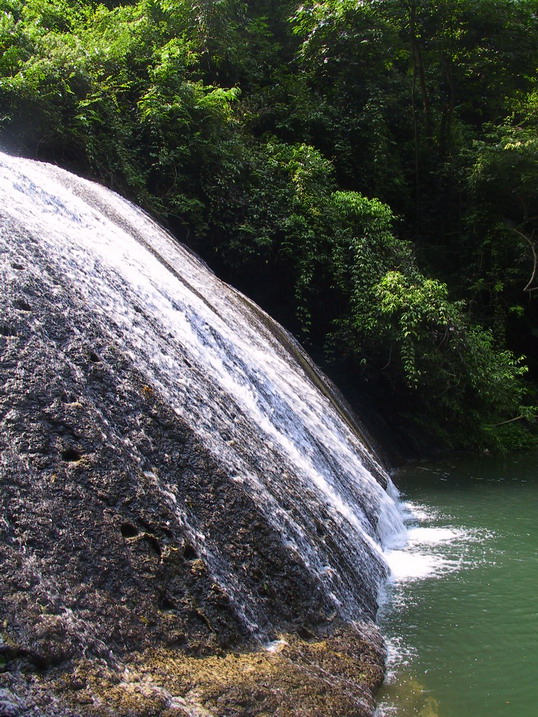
(108, 608)
(332, 676)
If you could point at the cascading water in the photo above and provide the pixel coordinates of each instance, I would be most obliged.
(243, 385)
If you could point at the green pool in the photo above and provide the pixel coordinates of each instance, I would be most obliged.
(461, 616)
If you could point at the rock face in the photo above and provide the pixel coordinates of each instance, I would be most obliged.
(189, 523)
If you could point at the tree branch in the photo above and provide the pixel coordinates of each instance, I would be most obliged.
(532, 245)
(510, 420)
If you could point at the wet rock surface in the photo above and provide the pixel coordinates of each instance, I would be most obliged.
(112, 509)
(332, 677)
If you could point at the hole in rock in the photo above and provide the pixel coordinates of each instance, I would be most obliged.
(166, 604)
(17, 266)
(94, 358)
(179, 640)
(5, 330)
(190, 553)
(70, 455)
(304, 633)
(128, 530)
(153, 544)
(22, 305)
(201, 618)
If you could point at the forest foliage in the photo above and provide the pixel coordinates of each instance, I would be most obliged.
(365, 169)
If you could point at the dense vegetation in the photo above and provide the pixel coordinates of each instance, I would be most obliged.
(366, 169)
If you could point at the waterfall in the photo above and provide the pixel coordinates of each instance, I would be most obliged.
(268, 420)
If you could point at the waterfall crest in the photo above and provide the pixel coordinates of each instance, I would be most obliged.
(237, 492)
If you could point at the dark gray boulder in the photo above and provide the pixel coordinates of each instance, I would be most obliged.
(160, 554)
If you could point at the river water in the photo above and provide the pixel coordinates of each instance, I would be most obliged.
(461, 615)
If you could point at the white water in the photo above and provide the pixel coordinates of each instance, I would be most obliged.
(243, 384)
(421, 552)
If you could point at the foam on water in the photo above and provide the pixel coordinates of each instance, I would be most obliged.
(419, 551)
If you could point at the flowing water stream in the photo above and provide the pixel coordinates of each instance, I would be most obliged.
(461, 616)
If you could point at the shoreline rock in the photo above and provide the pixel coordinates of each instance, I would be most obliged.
(322, 677)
